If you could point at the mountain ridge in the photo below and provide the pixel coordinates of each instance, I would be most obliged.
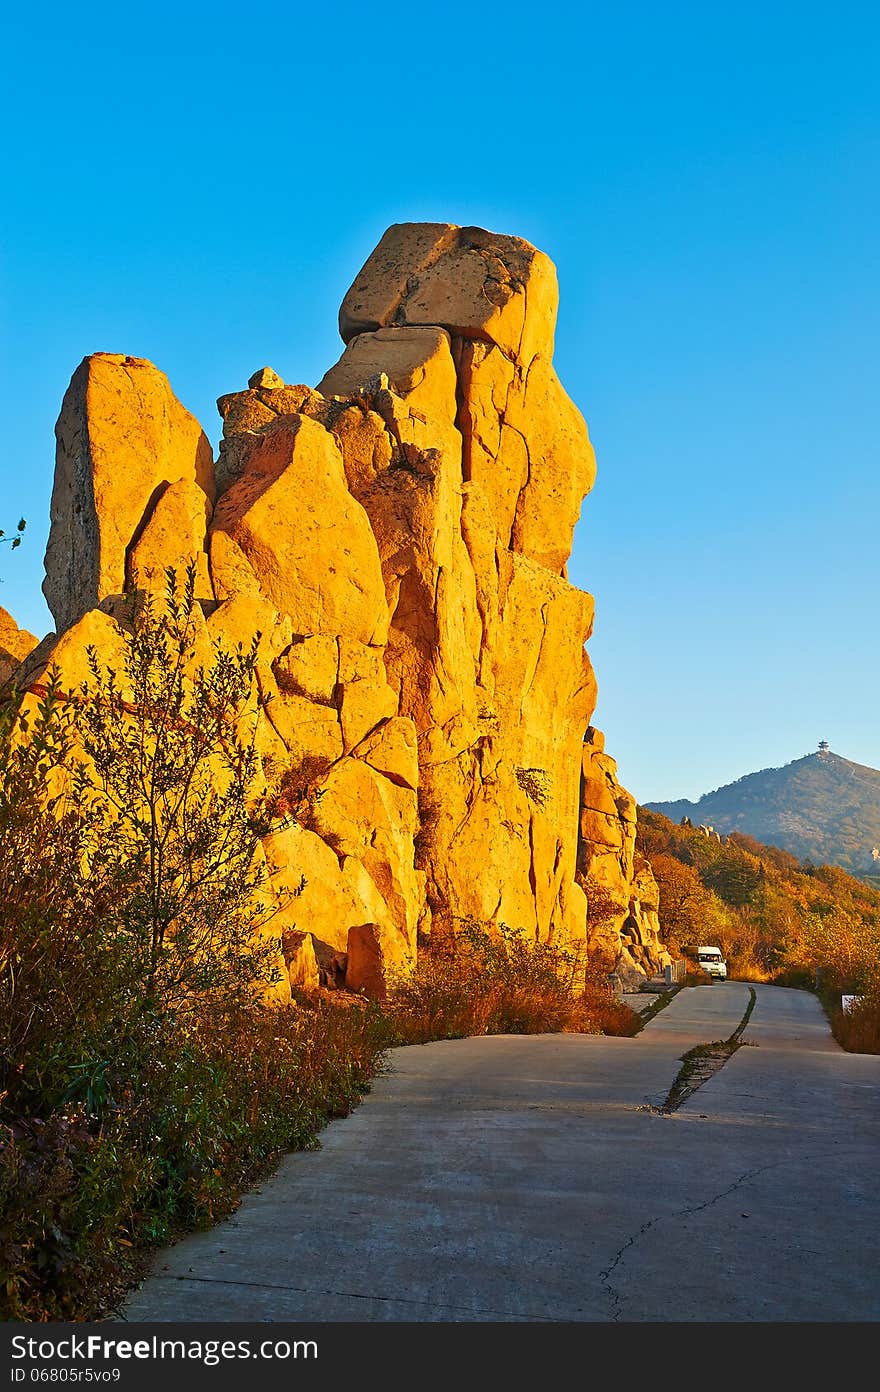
(822, 808)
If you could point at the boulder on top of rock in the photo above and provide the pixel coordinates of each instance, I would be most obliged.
(475, 283)
(266, 377)
(251, 410)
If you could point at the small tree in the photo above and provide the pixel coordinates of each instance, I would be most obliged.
(682, 897)
(170, 761)
(131, 813)
(56, 973)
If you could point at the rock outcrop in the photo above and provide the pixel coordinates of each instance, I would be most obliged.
(15, 645)
(468, 464)
(122, 439)
(399, 538)
(622, 894)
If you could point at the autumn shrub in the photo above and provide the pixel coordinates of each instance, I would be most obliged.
(858, 1029)
(144, 1080)
(606, 1013)
(214, 1101)
(478, 980)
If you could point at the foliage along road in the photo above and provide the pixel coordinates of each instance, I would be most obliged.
(535, 1179)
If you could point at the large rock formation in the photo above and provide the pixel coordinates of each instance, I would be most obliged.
(622, 894)
(398, 536)
(470, 463)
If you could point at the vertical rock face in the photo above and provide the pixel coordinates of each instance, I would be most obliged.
(122, 438)
(622, 894)
(399, 538)
(470, 462)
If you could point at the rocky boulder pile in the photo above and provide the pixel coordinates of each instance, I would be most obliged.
(623, 925)
(399, 537)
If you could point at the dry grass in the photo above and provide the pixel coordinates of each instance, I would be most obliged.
(123, 1150)
(164, 1140)
(858, 1030)
(477, 982)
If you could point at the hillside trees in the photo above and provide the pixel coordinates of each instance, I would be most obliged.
(771, 915)
(735, 876)
(690, 912)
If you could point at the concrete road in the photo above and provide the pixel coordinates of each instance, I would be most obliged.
(528, 1179)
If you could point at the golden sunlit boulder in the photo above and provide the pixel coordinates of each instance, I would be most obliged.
(122, 437)
(15, 644)
(474, 283)
(231, 572)
(366, 962)
(306, 539)
(303, 970)
(327, 894)
(416, 364)
(68, 652)
(172, 538)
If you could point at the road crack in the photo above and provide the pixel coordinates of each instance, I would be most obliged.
(701, 1063)
(426, 1303)
(698, 1065)
(605, 1276)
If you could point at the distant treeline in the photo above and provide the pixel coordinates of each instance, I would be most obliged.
(775, 917)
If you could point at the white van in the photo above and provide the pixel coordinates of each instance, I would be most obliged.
(711, 960)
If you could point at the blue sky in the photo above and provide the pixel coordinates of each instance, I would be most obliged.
(196, 186)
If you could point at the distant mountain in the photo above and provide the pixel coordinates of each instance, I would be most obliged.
(821, 808)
